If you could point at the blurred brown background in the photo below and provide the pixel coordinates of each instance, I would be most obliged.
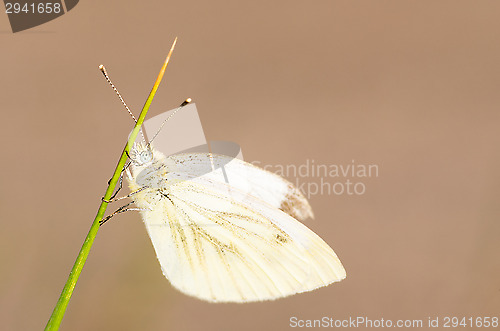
(412, 86)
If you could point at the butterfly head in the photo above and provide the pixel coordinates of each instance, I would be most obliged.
(142, 154)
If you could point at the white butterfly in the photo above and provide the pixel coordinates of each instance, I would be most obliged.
(227, 231)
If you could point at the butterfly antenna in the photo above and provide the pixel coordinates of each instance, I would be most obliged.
(105, 73)
(185, 103)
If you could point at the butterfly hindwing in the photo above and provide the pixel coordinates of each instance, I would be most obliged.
(221, 241)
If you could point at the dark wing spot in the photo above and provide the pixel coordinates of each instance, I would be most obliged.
(281, 239)
(289, 205)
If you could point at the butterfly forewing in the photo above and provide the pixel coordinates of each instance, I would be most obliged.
(245, 177)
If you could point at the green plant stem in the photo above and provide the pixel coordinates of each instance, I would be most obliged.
(61, 305)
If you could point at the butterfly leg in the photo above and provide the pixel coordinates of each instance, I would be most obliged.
(124, 197)
(120, 184)
(120, 210)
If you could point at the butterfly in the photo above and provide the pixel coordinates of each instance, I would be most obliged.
(225, 230)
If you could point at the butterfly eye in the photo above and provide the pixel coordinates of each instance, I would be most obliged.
(145, 156)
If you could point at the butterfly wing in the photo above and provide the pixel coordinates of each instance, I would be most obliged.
(219, 243)
(245, 177)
